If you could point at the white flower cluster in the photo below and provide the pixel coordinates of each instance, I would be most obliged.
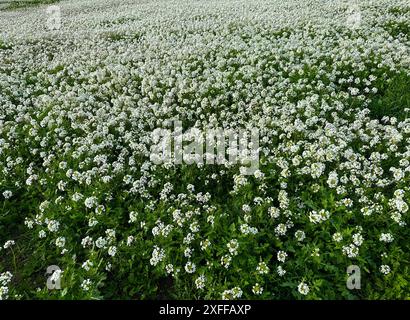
(5, 279)
(78, 107)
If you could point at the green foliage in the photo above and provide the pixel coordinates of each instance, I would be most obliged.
(84, 196)
(18, 4)
(393, 99)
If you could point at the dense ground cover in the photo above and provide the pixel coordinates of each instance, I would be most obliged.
(325, 82)
(15, 4)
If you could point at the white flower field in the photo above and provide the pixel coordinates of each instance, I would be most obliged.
(84, 84)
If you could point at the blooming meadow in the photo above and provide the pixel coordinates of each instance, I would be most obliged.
(84, 85)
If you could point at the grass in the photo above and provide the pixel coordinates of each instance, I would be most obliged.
(393, 99)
